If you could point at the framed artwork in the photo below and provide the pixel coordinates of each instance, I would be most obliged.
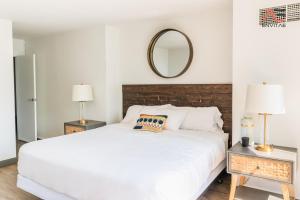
(279, 15)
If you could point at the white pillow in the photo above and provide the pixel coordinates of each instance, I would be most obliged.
(133, 112)
(175, 117)
(159, 106)
(202, 118)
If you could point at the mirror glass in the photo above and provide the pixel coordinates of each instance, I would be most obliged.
(171, 54)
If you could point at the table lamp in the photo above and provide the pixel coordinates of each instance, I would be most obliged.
(82, 93)
(265, 99)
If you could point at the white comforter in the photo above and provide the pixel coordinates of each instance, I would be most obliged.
(116, 162)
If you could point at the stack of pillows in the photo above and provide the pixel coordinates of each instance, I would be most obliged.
(169, 117)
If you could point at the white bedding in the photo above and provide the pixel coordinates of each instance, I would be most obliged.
(116, 162)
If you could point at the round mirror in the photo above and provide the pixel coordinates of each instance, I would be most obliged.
(170, 53)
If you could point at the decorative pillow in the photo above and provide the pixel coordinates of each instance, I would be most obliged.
(133, 112)
(175, 117)
(154, 123)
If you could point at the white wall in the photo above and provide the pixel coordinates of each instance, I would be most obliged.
(113, 94)
(271, 55)
(7, 113)
(210, 33)
(211, 36)
(117, 54)
(18, 47)
(63, 60)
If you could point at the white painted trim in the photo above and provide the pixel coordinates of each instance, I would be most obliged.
(34, 95)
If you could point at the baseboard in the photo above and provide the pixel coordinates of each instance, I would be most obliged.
(8, 162)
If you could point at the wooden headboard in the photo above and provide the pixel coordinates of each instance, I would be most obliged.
(195, 95)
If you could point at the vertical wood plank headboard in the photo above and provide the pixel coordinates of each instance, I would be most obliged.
(194, 95)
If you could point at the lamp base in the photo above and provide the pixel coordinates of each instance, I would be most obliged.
(83, 122)
(264, 147)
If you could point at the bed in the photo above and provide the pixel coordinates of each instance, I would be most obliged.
(117, 162)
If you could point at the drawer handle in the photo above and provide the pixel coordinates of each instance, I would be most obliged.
(257, 167)
(74, 131)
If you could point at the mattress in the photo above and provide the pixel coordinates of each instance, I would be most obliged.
(117, 162)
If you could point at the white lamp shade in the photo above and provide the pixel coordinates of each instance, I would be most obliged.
(82, 93)
(265, 98)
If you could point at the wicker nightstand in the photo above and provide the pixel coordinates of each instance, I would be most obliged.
(279, 165)
(75, 126)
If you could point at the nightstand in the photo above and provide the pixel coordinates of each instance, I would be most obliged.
(75, 126)
(279, 166)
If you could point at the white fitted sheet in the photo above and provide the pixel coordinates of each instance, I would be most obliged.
(116, 162)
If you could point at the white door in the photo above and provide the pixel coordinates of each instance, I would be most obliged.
(26, 98)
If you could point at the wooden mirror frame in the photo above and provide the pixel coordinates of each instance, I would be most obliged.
(151, 48)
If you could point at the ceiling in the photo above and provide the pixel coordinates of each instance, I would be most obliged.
(38, 17)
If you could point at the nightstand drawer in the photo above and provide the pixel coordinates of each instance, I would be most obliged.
(72, 129)
(75, 126)
(261, 167)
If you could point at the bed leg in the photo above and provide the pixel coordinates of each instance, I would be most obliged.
(220, 180)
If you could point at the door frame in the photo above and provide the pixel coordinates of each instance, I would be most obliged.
(15, 97)
(34, 95)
